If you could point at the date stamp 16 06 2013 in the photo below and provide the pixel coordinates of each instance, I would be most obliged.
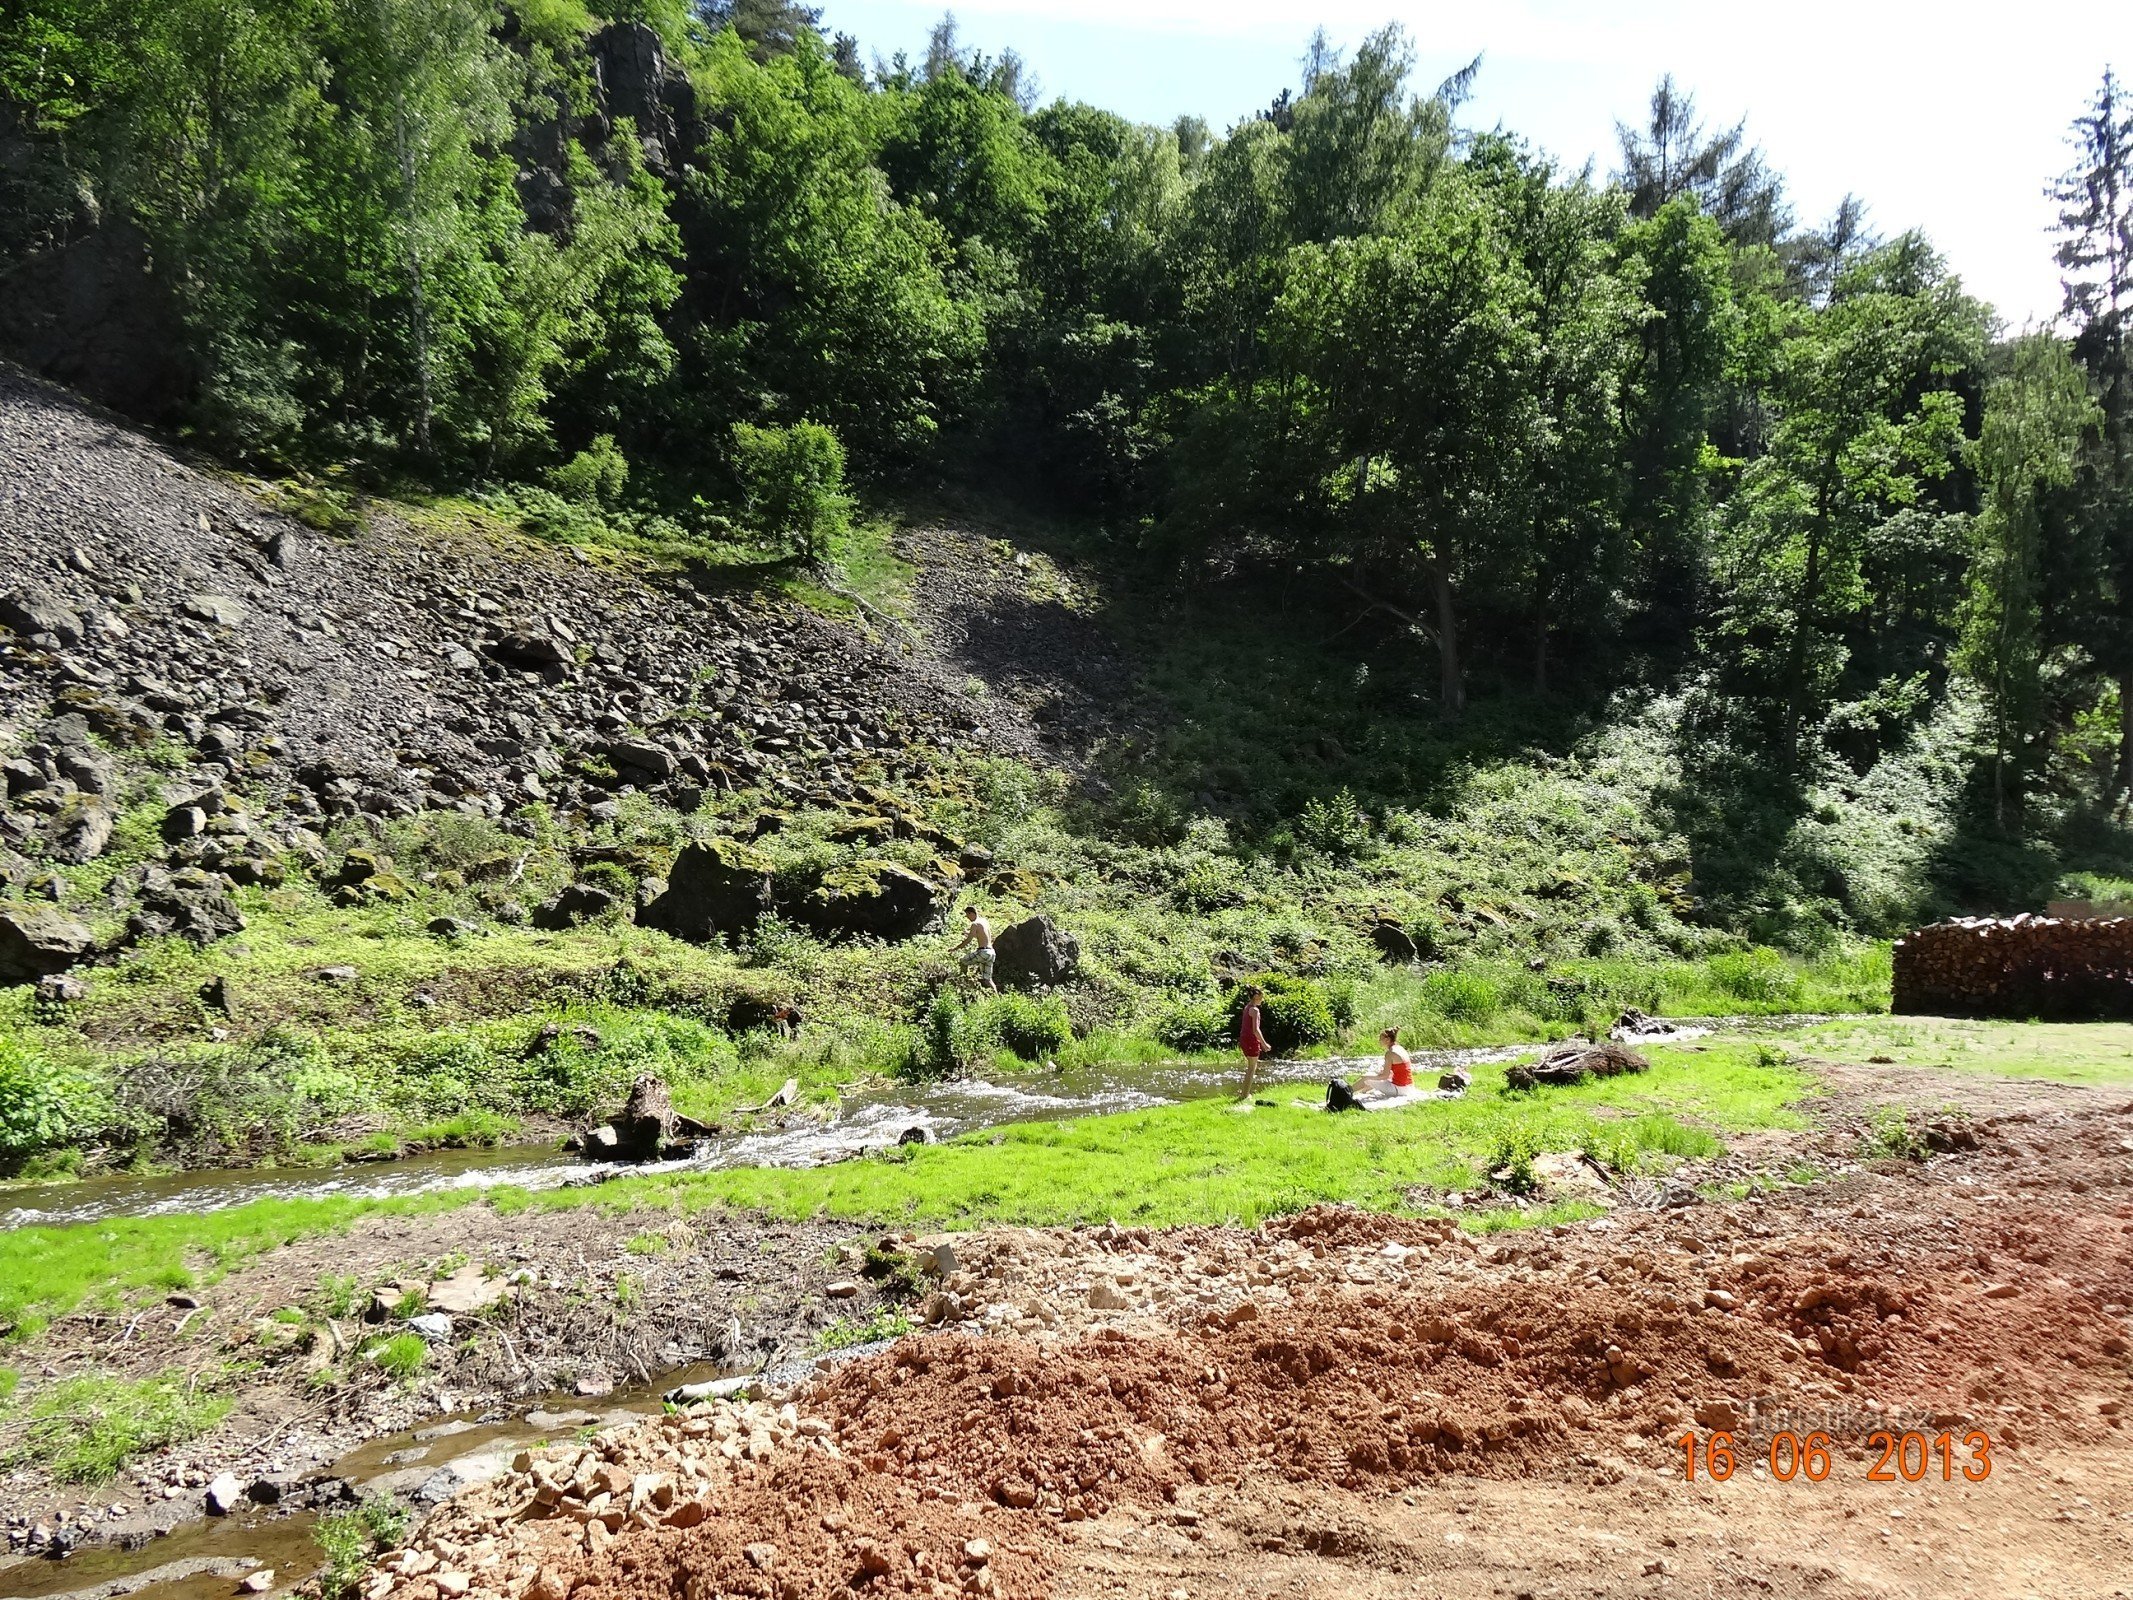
(1907, 1456)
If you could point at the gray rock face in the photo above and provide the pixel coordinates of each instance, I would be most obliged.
(189, 904)
(641, 755)
(81, 831)
(1394, 945)
(537, 652)
(714, 888)
(218, 609)
(878, 899)
(581, 902)
(30, 613)
(38, 940)
(1035, 953)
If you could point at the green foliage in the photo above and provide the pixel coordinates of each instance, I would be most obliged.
(794, 480)
(1758, 975)
(842, 1333)
(1466, 997)
(43, 1102)
(1334, 824)
(1295, 1015)
(86, 1429)
(400, 1356)
(350, 1540)
(598, 473)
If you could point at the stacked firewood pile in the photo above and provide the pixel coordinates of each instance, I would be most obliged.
(2017, 967)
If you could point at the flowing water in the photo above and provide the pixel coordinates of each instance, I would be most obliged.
(870, 1118)
(866, 1119)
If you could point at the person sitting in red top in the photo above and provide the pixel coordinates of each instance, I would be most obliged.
(1395, 1073)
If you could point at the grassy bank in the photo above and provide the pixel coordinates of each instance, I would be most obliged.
(2094, 1054)
(1198, 1163)
(1209, 1161)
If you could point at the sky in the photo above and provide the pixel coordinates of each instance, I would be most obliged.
(1949, 116)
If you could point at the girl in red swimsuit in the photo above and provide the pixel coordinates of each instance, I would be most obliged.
(1250, 1041)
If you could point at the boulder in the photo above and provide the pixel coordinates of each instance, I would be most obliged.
(217, 609)
(581, 902)
(1395, 946)
(878, 899)
(224, 1495)
(1035, 953)
(37, 941)
(189, 904)
(61, 989)
(720, 887)
(29, 613)
(641, 755)
(81, 831)
(536, 652)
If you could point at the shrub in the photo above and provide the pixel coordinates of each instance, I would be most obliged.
(1511, 1155)
(1295, 1015)
(1033, 1029)
(596, 475)
(350, 1539)
(794, 480)
(1206, 886)
(1146, 815)
(1194, 1025)
(1759, 975)
(43, 1103)
(1461, 996)
(1334, 824)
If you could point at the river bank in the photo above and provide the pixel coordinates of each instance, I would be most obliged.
(1719, 1255)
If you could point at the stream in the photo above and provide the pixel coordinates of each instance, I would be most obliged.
(869, 1118)
(204, 1558)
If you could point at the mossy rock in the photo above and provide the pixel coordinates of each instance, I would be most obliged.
(722, 887)
(876, 899)
(493, 869)
(864, 830)
(382, 888)
(1016, 883)
(360, 867)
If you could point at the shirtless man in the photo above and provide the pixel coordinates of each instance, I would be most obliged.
(977, 934)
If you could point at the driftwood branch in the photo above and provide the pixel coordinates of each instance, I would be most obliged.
(1377, 602)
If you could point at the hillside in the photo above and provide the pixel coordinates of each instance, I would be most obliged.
(318, 835)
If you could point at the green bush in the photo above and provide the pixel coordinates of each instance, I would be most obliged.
(1760, 975)
(794, 480)
(1461, 996)
(1295, 1015)
(1033, 1029)
(1194, 1025)
(43, 1103)
(596, 475)
(351, 1539)
(1334, 825)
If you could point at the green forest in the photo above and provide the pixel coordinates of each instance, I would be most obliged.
(1564, 436)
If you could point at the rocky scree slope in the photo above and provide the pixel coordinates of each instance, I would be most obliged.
(281, 677)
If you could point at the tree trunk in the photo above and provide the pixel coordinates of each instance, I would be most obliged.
(1540, 656)
(425, 405)
(1451, 681)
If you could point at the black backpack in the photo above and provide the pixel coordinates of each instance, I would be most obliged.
(1339, 1097)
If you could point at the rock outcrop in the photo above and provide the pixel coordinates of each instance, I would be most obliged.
(39, 940)
(716, 888)
(1035, 953)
